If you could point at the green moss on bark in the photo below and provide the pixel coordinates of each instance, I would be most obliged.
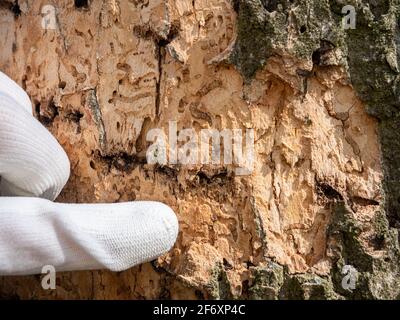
(266, 282)
(378, 275)
(308, 29)
(219, 286)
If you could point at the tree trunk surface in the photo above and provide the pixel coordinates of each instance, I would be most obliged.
(322, 101)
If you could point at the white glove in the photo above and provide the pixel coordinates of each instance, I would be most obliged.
(34, 231)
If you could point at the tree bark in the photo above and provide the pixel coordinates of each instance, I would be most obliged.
(322, 101)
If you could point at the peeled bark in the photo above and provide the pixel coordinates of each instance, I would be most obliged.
(323, 103)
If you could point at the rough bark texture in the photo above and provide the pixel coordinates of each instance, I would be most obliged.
(323, 102)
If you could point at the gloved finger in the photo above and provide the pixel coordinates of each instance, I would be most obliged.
(36, 232)
(32, 163)
(12, 89)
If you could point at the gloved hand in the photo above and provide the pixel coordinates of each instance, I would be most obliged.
(34, 231)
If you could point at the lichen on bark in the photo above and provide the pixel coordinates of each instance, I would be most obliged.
(370, 55)
(323, 192)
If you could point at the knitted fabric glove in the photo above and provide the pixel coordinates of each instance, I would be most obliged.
(34, 231)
